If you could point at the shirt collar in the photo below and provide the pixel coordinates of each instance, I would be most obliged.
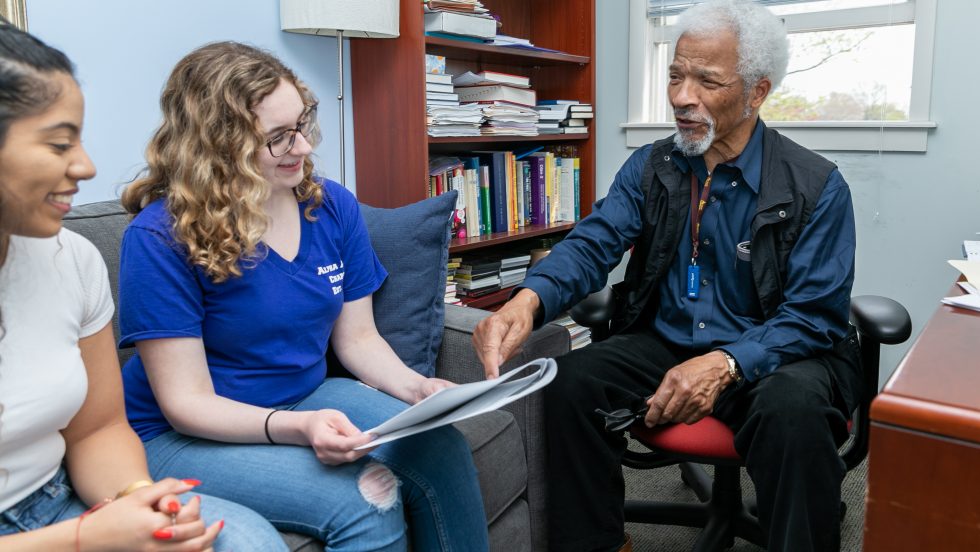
(749, 163)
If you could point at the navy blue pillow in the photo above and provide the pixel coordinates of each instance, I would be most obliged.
(413, 245)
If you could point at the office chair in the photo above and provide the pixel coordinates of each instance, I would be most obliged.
(721, 511)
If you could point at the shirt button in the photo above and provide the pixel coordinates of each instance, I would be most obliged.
(712, 199)
(701, 325)
(782, 214)
(704, 282)
(734, 183)
(707, 241)
(666, 158)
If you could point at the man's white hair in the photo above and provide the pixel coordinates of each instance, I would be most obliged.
(763, 50)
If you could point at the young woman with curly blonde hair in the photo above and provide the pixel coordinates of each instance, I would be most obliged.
(237, 272)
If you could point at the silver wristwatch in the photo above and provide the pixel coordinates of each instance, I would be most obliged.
(733, 369)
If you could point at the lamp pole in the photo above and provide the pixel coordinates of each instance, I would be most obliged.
(340, 102)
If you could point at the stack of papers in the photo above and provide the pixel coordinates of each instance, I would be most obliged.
(458, 6)
(455, 120)
(509, 119)
(971, 299)
(453, 404)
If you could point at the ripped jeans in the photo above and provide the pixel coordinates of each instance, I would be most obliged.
(349, 507)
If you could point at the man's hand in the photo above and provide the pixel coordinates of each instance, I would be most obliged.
(500, 335)
(689, 390)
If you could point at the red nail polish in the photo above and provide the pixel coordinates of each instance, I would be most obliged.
(163, 534)
(173, 507)
(221, 525)
(192, 482)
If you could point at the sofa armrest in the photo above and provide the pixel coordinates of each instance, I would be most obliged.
(458, 362)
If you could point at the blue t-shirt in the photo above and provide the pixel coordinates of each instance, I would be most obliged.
(265, 333)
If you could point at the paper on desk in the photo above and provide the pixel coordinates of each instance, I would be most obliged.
(969, 301)
(970, 269)
(453, 404)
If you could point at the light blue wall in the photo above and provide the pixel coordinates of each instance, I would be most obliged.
(124, 51)
(913, 211)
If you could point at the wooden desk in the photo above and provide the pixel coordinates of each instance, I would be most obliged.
(924, 460)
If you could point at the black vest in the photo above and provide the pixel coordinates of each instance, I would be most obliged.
(791, 183)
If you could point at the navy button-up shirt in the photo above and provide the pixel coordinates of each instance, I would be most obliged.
(726, 315)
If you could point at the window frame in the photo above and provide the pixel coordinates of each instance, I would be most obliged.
(643, 127)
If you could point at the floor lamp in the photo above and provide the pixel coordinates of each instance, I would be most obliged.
(340, 18)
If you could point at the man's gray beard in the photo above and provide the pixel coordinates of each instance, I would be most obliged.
(689, 146)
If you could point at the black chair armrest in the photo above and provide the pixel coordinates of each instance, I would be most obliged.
(880, 318)
(595, 312)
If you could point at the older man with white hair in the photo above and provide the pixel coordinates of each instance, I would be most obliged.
(735, 300)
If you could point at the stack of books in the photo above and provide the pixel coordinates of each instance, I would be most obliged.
(451, 298)
(563, 116)
(444, 115)
(580, 335)
(507, 101)
(513, 268)
(476, 278)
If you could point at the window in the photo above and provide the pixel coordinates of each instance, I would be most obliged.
(858, 79)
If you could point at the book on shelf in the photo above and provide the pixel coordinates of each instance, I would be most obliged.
(441, 96)
(446, 103)
(439, 78)
(497, 297)
(468, 287)
(491, 77)
(573, 123)
(438, 87)
(581, 115)
(512, 260)
(580, 108)
(460, 24)
(497, 92)
(575, 130)
(435, 65)
(478, 266)
(453, 404)
(557, 102)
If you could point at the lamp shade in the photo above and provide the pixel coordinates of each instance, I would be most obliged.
(356, 18)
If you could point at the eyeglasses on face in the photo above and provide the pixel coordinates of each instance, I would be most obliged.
(282, 143)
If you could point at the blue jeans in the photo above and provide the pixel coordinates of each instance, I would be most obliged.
(439, 493)
(56, 501)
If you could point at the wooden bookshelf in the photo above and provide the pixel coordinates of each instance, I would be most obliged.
(388, 96)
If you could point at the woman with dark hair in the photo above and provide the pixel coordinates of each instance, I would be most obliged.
(73, 474)
(237, 272)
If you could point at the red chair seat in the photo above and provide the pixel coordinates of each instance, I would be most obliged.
(708, 437)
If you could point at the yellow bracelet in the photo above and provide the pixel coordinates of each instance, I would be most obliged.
(134, 486)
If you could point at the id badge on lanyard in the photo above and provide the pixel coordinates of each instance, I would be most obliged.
(697, 208)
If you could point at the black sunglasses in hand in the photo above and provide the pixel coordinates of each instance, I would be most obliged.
(621, 418)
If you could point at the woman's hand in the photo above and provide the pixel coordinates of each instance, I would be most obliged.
(427, 386)
(333, 437)
(134, 522)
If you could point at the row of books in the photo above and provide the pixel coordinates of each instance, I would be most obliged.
(500, 191)
(484, 282)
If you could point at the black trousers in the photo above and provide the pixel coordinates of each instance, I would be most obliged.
(788, 427)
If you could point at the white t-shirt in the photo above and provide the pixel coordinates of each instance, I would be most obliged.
(53, 292)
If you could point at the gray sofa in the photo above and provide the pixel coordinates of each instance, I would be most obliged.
(507, 445)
